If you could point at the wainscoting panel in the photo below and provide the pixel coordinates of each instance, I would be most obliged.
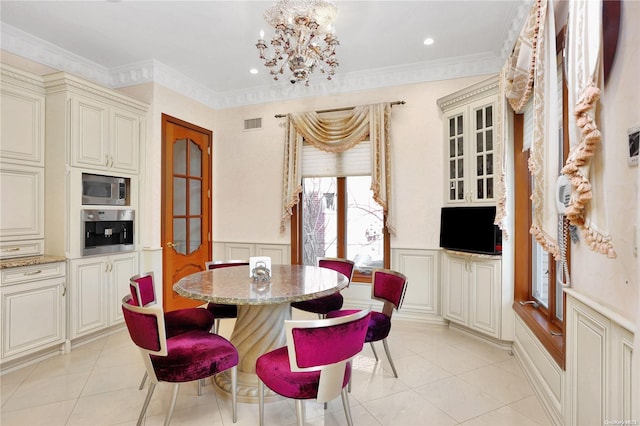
(599, 356)
(543, 372)
(421, 302)
(279, 253)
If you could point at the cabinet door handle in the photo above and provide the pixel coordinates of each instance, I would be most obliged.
(33, 272)
(171, 244)
(12, 249)
(106, 160)
(64, 290)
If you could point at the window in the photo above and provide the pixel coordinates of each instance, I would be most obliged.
(539, 300)
(337, 215)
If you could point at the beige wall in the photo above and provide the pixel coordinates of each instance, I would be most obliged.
(248, 165)
(614, 282)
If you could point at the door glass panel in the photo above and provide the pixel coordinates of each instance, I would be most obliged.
(480, 189)
(460, 146)
(452, 127)
(479, 165)
(195, 232)
(479, 121)
(489, 164)
(460, 168)
(180, 235)
(489, 116)
(452, 169)
(452, 148)
(179, 196)
(479, 144)
(195, 193)
(489, 187)
(195, 160)
(460, 124)
(460, 190)
(489, 136)
(180, 157)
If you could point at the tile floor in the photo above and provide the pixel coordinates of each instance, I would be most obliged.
(445, 378)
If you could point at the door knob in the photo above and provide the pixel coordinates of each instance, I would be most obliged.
(170, 244)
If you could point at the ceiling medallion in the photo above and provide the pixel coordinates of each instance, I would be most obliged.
(304, 39)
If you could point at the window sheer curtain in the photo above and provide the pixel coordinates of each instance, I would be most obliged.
(339, 132)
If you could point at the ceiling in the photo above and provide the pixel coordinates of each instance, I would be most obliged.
(205, 49)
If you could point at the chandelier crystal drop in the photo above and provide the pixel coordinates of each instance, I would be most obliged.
(304, 39)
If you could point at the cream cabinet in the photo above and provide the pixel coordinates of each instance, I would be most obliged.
(23, 106)
(21, 163)
(470, 123)
(97, 286)
(99, 128)
(33, 309)
(472, 292)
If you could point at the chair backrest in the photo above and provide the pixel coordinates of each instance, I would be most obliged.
(146, 326)
(143, 292)
(344, 266)
(224, 263)
(389, 287)
(342, 337)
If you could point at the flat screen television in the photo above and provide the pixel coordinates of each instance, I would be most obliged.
(470, 229)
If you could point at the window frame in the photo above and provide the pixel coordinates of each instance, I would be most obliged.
(341, 209)
(542, 321)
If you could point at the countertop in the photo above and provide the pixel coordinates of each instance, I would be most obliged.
(30, 261)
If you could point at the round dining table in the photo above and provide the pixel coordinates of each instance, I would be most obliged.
(262, 309)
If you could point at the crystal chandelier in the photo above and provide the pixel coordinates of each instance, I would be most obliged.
(303, 38)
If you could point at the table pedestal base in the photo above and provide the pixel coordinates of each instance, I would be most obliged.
(258, 329)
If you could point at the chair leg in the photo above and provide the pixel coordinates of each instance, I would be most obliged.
(234, 390)
(152, 387)
(386, 349)
(167, 420)
(299, 412)
(144, 379)
(373, 348)
(261, 401)
(347, 408)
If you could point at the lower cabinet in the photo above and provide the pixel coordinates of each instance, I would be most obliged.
(472, 292)
(33, 309)
(97, 286)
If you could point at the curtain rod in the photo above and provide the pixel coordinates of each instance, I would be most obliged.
(342, 109)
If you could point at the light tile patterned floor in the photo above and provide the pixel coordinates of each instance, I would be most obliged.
(445, 378)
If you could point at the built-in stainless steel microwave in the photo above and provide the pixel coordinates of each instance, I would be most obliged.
(104, 190)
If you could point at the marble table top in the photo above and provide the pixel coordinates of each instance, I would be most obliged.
(233, 285)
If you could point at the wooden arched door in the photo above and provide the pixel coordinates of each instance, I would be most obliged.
(186, 214)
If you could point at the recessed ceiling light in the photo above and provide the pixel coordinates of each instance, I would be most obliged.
(428, 41)
(253, 71)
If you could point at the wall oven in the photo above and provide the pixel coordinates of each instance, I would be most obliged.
(105, 190)
(107, 231)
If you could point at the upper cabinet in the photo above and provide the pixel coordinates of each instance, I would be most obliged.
(469, 117)
(22, 154)
(22, 129)
(101, 129)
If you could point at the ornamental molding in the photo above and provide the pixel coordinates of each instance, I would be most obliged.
(152, 71)
(480, 89)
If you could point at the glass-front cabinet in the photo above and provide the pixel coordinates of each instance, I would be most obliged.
(469, 117)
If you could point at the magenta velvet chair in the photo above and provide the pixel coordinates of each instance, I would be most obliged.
(143, 294)
(220, 310)
(315, 364)
(388, 287)
(332, 302)
(189, 356)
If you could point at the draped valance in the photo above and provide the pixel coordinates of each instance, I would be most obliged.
(339, 132)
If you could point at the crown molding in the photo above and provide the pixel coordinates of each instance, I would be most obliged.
(41, 51)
